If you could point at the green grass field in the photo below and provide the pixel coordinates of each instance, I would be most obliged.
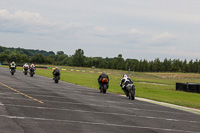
(155, 86)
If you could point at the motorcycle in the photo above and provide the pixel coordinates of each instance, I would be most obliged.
(56, 75)
(104, 85)
(12, 70)
(56, 79)
(31, 72)
(130, 91)
(25, 70)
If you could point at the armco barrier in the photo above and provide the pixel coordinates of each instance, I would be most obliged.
(188, 87)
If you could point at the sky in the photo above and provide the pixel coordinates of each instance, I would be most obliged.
(137, 29)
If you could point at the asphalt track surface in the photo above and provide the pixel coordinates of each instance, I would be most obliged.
(38, 105)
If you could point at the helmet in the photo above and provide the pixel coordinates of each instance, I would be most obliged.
(13, 62)
(103, 73)
(124, 75)
(56, 68)
(32, 65)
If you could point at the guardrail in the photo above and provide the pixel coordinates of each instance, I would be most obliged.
(188, 87)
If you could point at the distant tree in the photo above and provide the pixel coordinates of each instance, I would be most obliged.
(127, 65)
(120, 62)
(151, 66)
(113, 63)
(60, 53)
(103, 64)
(51, 53)
(3, 57)
(12, 57)
(61, 57)
(176, 65)
(49, 60)
(196, 66)
(199, 66)
(165, 66)
(185, 66)
(78, 58)
(7, 51)
(2, 49)
(38, 58)
(190, 66)
(140, 67)
(146, 66)
(156, 65)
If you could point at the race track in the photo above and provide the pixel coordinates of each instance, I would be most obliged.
(38, 105)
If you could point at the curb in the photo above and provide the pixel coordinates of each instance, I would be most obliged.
(187, 109)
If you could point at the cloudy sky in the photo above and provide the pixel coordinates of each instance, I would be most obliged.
(137, 29)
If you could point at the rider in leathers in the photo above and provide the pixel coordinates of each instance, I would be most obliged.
(12, 65)
(25, 66)
(55, 73)
(102, 76)
(124, 82)
(32, 66)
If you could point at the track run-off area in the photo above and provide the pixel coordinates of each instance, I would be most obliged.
(38, 105)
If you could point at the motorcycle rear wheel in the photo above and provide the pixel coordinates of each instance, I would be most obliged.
(132, 95)
(104, 88)
(56, 81)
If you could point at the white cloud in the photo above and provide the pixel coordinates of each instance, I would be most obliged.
(34, 23)
(135, 31)
(163, 38)
(4, 14)
(100, 29)
(23, 17)
(29, 18)
(21, 22)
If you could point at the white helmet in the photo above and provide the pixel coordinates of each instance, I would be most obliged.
(124, 76)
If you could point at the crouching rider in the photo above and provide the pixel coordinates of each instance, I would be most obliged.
(103, 78)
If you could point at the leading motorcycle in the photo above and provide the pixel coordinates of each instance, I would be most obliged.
(12, 70)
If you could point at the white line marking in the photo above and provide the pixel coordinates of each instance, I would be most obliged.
(135, 109)
(104, 113)
(187, 109)
(94, 123)
(62, 97)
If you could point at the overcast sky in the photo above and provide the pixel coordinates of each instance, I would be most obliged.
(137, 29)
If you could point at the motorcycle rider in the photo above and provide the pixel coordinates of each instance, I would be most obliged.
(101, 77)
(56, 72)
(32, 66)
(124, 82)
(13, 65)
(26, 66)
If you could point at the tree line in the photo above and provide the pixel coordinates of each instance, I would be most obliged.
(79, 59)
